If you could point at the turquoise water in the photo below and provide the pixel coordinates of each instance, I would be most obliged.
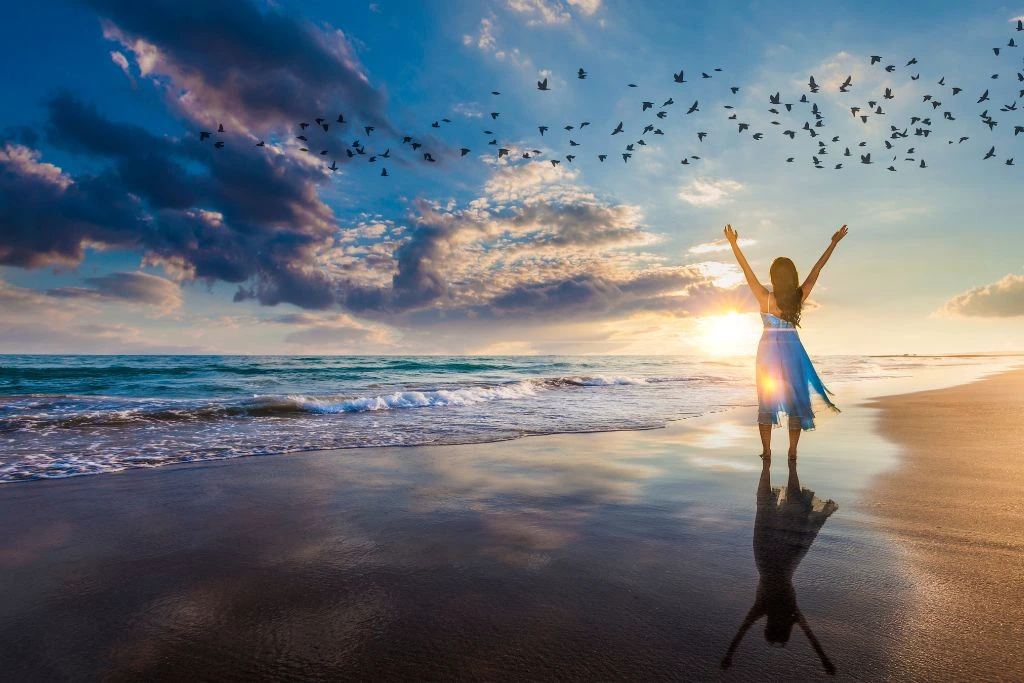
(73, 415)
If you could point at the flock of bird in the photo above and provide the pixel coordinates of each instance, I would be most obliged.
(317, 137)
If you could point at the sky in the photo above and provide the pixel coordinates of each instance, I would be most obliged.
(123, 230)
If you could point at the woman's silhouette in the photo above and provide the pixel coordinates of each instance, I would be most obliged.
(785, 526)
(785, 374)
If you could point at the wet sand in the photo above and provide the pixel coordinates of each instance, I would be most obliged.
(625, 555)
(956, 505)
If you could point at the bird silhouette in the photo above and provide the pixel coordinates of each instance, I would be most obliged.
(618, 129)
(647, 105)
(812, 85)
(261, 144)
(542, 129)
(219, 144)
(581, 74)
(464, 151)
(678, 78)
(845, 87)
(693, 107)
(220, 128)
(875, 59)
(543, 85)
(990, 153)
(384, 171)
(203, 135)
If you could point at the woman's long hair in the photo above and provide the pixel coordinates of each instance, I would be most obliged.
(786, 287)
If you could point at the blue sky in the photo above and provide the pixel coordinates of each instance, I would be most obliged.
(120, 231)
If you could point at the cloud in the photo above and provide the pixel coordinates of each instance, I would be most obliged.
(249, 66)
(587, 7)
(136, 287)
(265, 224)
(486, 42)
(122, 62)
(719, 245)
(1001, 299)
(541, 12)
(53, 324)
(707, 192)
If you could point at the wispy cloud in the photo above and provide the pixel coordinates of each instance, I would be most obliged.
(719, 245)
(134, 287)
(541, 12)
(706, 192)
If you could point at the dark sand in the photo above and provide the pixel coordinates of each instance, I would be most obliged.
(628, 555)
(956, 504)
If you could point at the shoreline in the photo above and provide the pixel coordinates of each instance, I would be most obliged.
(575, 556)
(953, 503)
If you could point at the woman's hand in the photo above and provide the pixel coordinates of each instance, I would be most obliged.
(731, 235)
(840, 234)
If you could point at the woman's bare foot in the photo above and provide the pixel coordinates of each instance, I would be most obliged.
(766, 455)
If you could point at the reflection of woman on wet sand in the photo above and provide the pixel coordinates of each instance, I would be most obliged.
(786, 524)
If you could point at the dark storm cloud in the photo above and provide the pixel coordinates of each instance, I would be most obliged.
(239, 215)
(45, 219)
(242, 61)
(1001, 299)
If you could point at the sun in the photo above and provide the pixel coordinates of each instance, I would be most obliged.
(728, 334)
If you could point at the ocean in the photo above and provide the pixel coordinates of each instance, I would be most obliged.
(63, 416)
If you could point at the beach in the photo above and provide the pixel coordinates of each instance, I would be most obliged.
(598, 556)
(955, 505)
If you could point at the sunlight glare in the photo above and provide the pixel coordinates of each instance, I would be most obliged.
(729, 334)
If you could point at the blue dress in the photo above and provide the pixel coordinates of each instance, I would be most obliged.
(786, 376)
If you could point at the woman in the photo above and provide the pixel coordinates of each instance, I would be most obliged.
(785, 374)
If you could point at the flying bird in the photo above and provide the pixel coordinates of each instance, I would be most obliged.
(542, 129)
(219, 144)
(678, 78)
(991, 153)
(647, 105)
(220, 127)
(203, 135)
(369, 129)
(812, 85)
(384, 171)
(875, 59)
(581, 74)
(618, 129)
(543, 85)
(463, 151)
(693, 107)
(845, 87)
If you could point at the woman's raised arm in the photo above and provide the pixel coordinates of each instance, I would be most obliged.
(759, 290)
(812, 277)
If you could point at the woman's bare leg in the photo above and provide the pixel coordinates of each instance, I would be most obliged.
(766, 440)
(794, 437)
